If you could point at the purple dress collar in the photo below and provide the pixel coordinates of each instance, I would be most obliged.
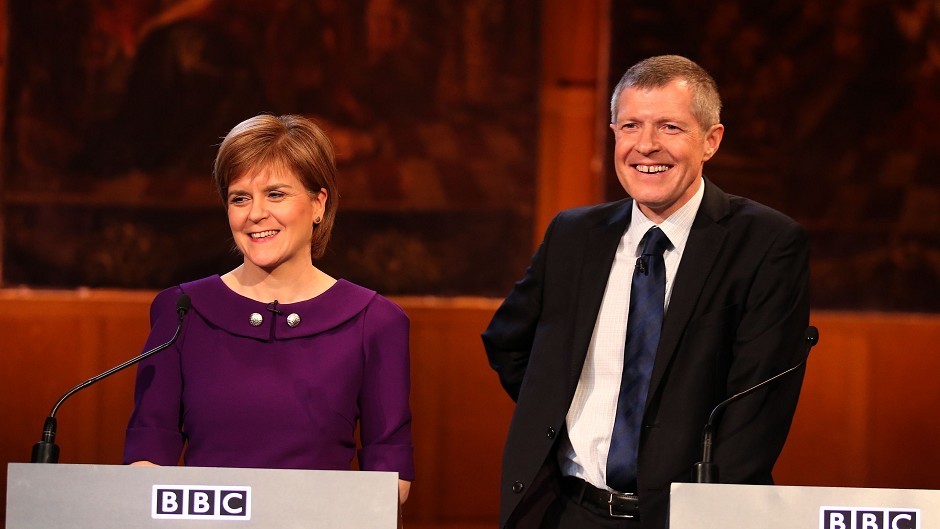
(236, 314)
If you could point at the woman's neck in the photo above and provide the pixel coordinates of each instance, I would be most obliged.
(285, 286)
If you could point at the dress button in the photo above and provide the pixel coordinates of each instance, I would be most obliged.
(517, 487)
(550, 433)
(293, 319)
(255, 319)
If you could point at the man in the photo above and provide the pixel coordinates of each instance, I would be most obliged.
(612, 340)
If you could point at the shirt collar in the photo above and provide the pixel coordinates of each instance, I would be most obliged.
(677, 226)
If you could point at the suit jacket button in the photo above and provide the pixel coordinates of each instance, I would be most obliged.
(517, 487)
(550, 433)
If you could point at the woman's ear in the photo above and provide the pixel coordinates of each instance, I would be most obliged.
(318, 201)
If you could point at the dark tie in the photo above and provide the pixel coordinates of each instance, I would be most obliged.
(644, 323)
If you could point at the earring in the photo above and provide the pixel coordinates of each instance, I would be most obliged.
(317, 220)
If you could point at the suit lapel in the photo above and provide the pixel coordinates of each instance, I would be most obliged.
(599, 249)
(701, 250)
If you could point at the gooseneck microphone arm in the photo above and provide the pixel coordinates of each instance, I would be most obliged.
(706, 471)
(46, 451)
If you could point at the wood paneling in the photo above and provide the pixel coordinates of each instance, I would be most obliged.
(461, 414)
(573, 93)
(865, 417)
(867, 413)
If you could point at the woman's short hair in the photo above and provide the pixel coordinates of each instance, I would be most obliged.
(288, 142)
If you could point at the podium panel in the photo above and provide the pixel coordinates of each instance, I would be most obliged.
(47, 496)
(722, 506)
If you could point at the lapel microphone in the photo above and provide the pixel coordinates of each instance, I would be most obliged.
(272, 308)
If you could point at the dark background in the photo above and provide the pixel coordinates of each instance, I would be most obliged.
(113, 111)
(831, 112)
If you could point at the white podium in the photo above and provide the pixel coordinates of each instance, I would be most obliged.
(720, 506)
(50, 496)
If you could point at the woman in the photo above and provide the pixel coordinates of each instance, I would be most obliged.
(277, 361)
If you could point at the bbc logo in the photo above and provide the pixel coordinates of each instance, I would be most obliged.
(868, 518)
(201, 502)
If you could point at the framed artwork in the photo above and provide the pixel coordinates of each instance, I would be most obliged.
(114, 111)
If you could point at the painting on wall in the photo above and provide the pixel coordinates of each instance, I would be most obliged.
(115, 110)
(830, 111)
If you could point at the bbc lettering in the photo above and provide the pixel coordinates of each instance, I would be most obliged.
(868, 518)
(199, 502)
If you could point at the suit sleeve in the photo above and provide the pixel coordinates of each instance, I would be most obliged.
(508, 338)
(768, 340)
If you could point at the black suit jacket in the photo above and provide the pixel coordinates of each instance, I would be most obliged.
(737, 315)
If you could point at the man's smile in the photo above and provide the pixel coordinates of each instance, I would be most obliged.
(652, 169)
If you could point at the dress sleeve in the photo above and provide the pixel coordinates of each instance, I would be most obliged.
(154, 430)
(385, 422)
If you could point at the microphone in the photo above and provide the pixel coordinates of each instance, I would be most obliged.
(706, 471)
(46, 451)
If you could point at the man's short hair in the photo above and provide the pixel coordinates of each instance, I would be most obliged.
(657, 72)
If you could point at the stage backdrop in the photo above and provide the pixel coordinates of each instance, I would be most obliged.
(115, 109)
(831, 111)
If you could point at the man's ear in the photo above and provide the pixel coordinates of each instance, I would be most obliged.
(713, 140)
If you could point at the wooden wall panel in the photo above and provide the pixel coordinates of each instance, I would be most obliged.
(461, 414)
(867, 414)
(832, 413)
(54, 341)
(865, 417)
(572, 94)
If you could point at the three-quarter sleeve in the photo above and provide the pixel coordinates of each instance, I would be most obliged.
(385, 421)
(153, 432)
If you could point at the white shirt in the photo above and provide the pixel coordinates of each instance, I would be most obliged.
(590, 418)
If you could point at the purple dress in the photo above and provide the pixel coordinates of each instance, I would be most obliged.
(275, 395)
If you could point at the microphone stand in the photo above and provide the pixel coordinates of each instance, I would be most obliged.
(46, 451)
(706, 471)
